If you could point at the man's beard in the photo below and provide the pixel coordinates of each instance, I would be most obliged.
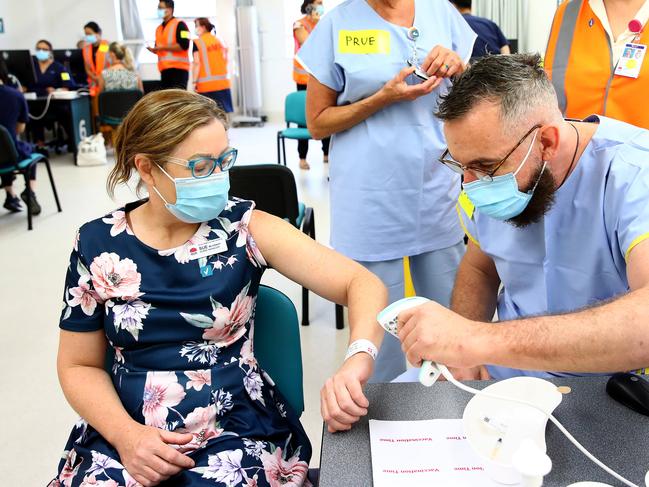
(541, 201)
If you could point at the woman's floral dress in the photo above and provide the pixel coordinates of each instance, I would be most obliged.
(181, 325)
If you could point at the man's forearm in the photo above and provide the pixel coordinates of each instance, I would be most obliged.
(475, 293)
(607, 338)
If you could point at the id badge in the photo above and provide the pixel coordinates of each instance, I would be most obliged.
(630, 62)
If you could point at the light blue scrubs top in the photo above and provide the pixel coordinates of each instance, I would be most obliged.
(576, 255)
(389, 195)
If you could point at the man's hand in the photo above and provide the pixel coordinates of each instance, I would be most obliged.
(342, 401)
(153, 49)
(432, 332)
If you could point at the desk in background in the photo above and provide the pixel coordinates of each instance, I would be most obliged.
(616, 435)
(80, 118)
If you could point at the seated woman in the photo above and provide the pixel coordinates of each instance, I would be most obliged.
(169, 283)
(50, 76)
(121, 74)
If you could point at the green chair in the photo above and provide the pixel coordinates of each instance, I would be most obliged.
(294, 112)
(115, 105)
(10, 164)
(276, 343)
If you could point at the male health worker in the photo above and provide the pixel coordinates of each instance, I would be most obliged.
(557, 212)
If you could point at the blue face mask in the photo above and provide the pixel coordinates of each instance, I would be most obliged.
(320, 10)
(501, 198)
(91, 38)
(42, 55)
(161, 13)
(198, 200)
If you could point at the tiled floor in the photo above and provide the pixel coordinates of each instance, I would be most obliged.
(36, 416)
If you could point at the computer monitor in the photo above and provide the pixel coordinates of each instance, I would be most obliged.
(20, 64)
(513, 45)
(72, 59)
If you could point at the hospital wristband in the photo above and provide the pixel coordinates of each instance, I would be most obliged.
(362, 345)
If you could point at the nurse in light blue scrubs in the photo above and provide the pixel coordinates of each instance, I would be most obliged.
(558, 216)
(389, 196)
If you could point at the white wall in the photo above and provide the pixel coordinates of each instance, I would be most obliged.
(539, 23)
(59, 21)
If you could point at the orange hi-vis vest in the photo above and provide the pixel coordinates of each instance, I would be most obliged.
(166, 36)
(579, 61)
(97, 64)
(300, 75)
(213, 73)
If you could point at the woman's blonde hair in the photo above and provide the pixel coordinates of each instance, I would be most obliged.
(122, 53)
(155, 126)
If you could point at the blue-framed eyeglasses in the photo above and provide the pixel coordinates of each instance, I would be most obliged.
(204, 166)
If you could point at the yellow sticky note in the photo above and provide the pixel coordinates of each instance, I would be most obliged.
(466, 204)
(184, 34)
(364, 42)
(103, 48)
(65, 76)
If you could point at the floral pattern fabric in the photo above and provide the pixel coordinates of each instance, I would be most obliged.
(180, 326)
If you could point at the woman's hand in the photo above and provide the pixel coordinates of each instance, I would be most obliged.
(49, 89)
(442, 63)
(398, 90)
(147, 456)
(342, 401)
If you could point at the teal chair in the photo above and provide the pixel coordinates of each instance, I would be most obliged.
(294, 112)
(11, 164)
(115, 105)
(276, 343)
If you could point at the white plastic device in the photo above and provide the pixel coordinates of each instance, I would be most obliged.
(431, 371)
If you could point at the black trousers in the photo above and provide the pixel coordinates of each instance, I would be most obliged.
(8, 179)
(174, 78)
(303, 145)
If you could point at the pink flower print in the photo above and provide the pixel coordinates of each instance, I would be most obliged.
(283, 473)
(247, 355)
(119, 223)
(198, 379)
(91, 481)
(113, 277)
(69, 470)
(254, 254)
(231, 260)
(241, 227)
(251, 482)
(229, 324)
(201, 423)
(161, 391)
(83, 295)
(182, 253)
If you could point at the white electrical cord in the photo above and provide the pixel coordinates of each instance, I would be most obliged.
(47, 107)
(447, 374)
(47, 104)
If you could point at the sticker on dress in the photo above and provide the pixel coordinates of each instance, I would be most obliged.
(364, 41)
(208, 248)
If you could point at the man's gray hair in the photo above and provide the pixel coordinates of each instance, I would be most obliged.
(516, 82)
